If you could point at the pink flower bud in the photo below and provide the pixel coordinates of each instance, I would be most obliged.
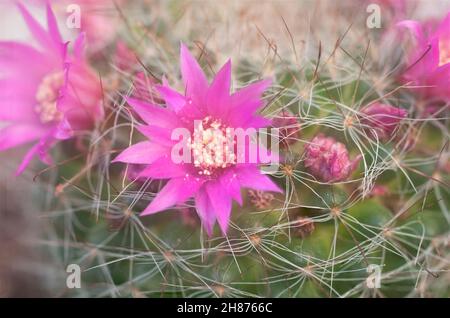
(382, 119)
(328, 160)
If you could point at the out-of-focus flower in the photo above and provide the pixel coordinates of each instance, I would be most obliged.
(260, 199)
(46, 93)
(328, 160)
(397, 8)
(429, 60)
(212, 181)
(303, 227)
(289, 128)
(99, 19)
(124, 58)
(382, 119)
(379, 191)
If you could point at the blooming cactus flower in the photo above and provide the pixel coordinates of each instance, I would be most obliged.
(328, 160)
(210, 180)
(382, 119)
(429, 61)
(98, 19)
(46, 94)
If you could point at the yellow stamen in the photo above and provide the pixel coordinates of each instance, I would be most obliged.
(47, 95)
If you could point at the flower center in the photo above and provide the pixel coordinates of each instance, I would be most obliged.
(47, 96)
(444, 52)
(212, 146)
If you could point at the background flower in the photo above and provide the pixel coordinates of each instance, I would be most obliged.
(429, 59)
(47, 93)
(328, 160)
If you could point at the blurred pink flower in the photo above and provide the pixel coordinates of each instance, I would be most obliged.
(382, 119)
(328, 160)
(124, 58)
(212, 183)
(379, 191)
(289, 128)
(429, 60)
(100, 20)
(46, 94)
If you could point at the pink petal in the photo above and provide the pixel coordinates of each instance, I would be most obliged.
(205, 210)
(15, 135)
(249, 93)
(144, 152)
(195, 81)
(154, 115)
(174, 100)
(230, 183)
(164, 168)
(250, 177)
(41, 149)
(36, 29)
(159, 135)
(79, 46)
(176, 191)
(218, 96)
(53, 25)
(221, 204)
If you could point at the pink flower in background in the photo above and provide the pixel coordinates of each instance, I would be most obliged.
(429, 60)
(289, 128)
(124, 58)
(46, 94)
(379, 191)
(382, 119)
(212, 182)
(100, 20)
(328, 160)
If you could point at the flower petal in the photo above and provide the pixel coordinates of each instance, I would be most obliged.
(205, 210)
(218, 96)
(36, 29)
(164, 168)
(194, 79)
(175, 191)
(153, 114)
(159, 135)
(250, 177)
(231, 184)
(174, 100)
(221, 204)
(53, 25)
(144, 152)
(15, 135)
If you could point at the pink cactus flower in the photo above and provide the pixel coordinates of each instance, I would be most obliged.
(429, 60)
(212, 182)
(46, 94)
(328, 160)
(382, 119)
(124, 58)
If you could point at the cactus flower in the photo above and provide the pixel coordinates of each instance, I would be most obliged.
(47, 94)
(328, 160)
(212, 182)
